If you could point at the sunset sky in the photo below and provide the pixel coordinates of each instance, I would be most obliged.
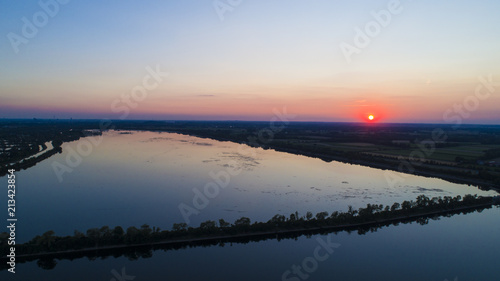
(256, 56)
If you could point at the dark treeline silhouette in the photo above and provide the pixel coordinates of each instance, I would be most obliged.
(140, 242)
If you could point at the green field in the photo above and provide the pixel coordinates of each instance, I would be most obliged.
(449, 154)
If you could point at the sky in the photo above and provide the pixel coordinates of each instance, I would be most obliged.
(428, 61)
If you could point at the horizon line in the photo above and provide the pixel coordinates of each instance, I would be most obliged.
(236, 120)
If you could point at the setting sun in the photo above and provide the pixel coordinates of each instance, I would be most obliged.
(371, 117)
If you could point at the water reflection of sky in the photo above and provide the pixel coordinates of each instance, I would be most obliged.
(142, 177)
(463, 246)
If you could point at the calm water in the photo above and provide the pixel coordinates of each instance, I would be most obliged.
(463, 247)
(142, 177)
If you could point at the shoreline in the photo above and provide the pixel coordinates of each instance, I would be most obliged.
(190, 241)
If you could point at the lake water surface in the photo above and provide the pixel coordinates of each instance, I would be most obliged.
(132, 178)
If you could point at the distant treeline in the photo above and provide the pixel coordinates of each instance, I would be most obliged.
(211, 232)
